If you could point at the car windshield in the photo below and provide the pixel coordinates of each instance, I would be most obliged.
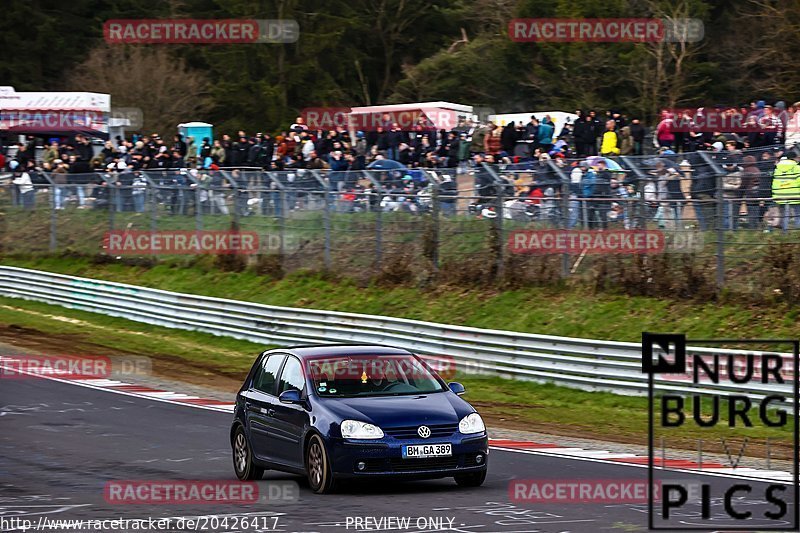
(371, 375)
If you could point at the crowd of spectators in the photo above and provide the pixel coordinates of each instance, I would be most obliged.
(535, 167)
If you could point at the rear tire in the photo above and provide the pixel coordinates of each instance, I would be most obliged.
(318, 467)
(473, 479)
(243, 464)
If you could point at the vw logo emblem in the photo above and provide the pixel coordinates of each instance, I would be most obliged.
(424, 432)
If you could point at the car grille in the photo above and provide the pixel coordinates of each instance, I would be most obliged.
(410, 432)
(398, 464)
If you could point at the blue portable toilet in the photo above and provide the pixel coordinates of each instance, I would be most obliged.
(198, 130)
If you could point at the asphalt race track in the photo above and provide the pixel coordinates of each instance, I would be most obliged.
(60, 444)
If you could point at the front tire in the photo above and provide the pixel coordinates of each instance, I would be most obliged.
(243, 464)
(318, 467)
(473, 479)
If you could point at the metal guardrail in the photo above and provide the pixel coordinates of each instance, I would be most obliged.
(580, 363)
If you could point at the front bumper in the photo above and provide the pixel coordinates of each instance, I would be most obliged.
(384, 457)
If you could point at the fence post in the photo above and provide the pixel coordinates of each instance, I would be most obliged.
(720, 233)
(51, 187)
(565, 201)
(198, 212)
(282, 225)
(112, 207)
(435, 222)
(565, 180)
(327, 228)
(151, 189)
(497, 223)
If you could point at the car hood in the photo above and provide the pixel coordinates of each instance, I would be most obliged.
(397, 411)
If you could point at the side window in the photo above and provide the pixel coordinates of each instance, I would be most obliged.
(292, 376)
(265, 378)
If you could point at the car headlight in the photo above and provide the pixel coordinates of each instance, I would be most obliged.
(353, 429)
(472, 423)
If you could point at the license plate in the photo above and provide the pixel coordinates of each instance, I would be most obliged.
(427, 450)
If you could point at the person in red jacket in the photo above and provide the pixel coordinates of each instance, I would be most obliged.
(664, 134)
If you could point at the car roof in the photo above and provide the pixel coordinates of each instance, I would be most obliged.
(317, 350)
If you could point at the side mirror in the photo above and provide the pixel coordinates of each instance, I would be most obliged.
(457, 388)
(290, 396)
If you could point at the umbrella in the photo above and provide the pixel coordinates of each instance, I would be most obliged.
(386, 164)
(610, 163)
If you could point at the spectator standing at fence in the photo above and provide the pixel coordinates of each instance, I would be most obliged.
(786, 189)
(239, 151)
(314, 162)
(218, 154)
(625, 141)
(584, 137)
(508, 137)
(664, 134)
(493, 143)
(138, 190)
(79, 177)
(575, 192)
(51, 153)
(191, 152)
(771, 125)
(59, 177)
(394, 137)
(597, 189)
(793, 126)
(484, 181)
(448, 192)
(544, 136)
(205, 149)
(609, 147)
(22, 179)
(703, 191)
(84, 148)
(751, 186)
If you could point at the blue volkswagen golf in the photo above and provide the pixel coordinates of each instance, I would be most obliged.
(354, 411)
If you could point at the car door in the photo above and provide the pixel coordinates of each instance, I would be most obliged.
(260, 404)
(290, 420)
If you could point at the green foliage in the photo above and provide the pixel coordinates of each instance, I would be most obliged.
(363, 52)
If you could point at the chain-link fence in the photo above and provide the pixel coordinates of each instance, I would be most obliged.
(717, 219)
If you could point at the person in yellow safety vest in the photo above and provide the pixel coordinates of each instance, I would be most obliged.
(610, 143)
(786, 189)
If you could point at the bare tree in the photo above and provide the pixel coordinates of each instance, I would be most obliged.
(393, 25)
(166, 90)
(663, 73)
(768, 62)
